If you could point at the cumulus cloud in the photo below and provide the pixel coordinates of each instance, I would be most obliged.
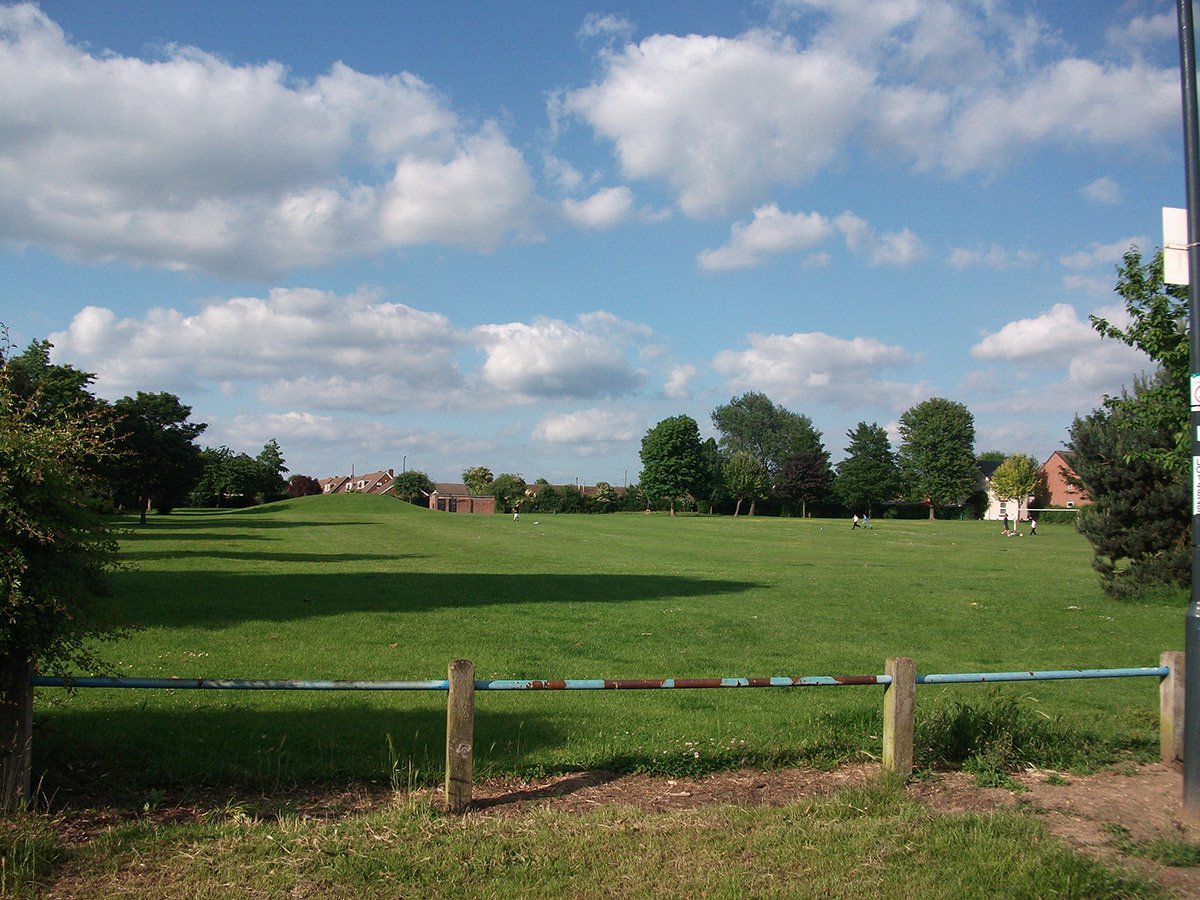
(1098, 254)
(604, 209)
(1103, 190)
(950, 86)
(719, 118)
(1046, 338)
(991, 257)
(590, 426)
(596, 25)
(189, 162)
(678, 381)
(320, 334)
(771, 231)
(553, 358)
(895, 248)
(812, 367)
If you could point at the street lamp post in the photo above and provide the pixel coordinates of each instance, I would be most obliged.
(1191, 711)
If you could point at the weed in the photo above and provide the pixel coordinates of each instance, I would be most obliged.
(1167, 851)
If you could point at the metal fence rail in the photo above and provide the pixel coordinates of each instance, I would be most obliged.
(586, 684)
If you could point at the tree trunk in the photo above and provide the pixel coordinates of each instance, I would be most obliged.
(145, 506)
(672, 506)
(931, 515)
(752, 502)
(737, 509)
(16, 731)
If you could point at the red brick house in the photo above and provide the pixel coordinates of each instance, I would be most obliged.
(370, 483)
(1060, 491)
(455, 498)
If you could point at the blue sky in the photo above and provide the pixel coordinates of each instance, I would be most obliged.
(440, 235)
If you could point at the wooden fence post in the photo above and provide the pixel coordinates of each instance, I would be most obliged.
(460, 735)
(1170, 707)
(899, 701)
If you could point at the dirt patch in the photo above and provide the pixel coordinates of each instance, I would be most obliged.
(1144, 800)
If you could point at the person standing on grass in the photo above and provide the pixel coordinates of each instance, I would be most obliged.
(1005, 531)
(1032, 527)
(516, 515)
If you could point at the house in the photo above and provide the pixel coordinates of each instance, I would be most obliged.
(997, 510)
(370, 483)
(455, 498)
(1061, 491)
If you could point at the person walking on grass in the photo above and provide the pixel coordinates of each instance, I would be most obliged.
(1032, 527)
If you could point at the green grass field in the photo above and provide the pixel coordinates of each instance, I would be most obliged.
(368, 588)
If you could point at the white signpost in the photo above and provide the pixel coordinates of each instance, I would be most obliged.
(1175, 245)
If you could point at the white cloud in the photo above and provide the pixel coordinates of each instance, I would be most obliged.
(771, 231)
(1103, 190)
(1102, 254)
(678, 381)
(552, 358)
(604, 209)
(895, 248)
(991, 257)
(290, 331)
(189, 162)
(596, 25)
(590, 426)
(1046, 338)
(813, 367)
(721, 119)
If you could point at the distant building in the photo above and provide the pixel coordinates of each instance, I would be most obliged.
(455, 498)
(997, 509)
(370, 483)
(1060, 489)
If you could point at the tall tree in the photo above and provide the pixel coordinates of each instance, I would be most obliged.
(55, 549)
(509, 491)
(758, 425)
(1158, 315)
(869, 474)
(672, 464)
(745, 478)
(937, 456)
(1139, 524)
(161, 460)
(478, 480)
(270, 460)
(806, 478)
(302, 486)
(413, 486)
(1015, 479)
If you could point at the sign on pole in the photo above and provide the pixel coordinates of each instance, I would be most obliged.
(1175, 245)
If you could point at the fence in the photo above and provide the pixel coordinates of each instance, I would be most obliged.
(900, 680)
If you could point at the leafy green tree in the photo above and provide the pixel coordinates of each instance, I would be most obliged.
(161, 462)
(806, 478)
(710, 490)
(869, 473)
(745, 478)
(229, 479)
(1015, 479)
(672, 464)
(55, 550)
(271, 462)
(413, 486)
(763, 428)
(1139, 524)
(478, 480)
(48, 388)
(937, 456)
(996, 456)
(1159, 319)
(509, 491)
(607, 498)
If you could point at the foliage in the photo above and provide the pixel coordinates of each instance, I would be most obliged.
(302, 486)
(806, 477)
(478, 480)
(235, 479)
(710, 490)
(996, 456)
(413, 486)
(768, 431)
(937, 456)
(745, 478)
(1139, 523)
(607, 499)
(161, 463)
(1159, 315)
(1016, 478)
(509, 491)
(868, 474)
(55, 547)
(271, 462)
(672, 464)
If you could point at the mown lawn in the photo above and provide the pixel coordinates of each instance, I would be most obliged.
(368, 588)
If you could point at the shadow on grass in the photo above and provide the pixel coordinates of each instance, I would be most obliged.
(126, 757)
(136, 556)
(217, 599)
